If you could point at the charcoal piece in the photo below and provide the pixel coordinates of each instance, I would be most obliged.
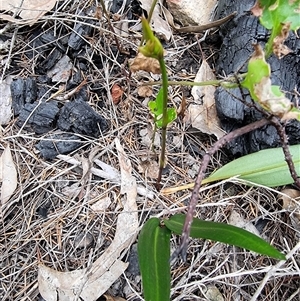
(18, 88)
(56, 144)
(51, 60)
(240, 34)
(79, 117)
(30, 90)
(43, 79)
(75, 80)
(39, 117)
(80, 30)
(49, 38)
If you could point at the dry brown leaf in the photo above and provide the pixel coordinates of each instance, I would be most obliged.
(8, 176)
(160, 26)
(116, 93)
(278, 105)
(144, 91)
(150, 168)
(203, 115)
(28, 9)
(93, 282)
(257, 10)
(141, 62)
(279, 49)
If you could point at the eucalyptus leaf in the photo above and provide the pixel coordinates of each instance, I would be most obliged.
(266, 167)
(224, 233)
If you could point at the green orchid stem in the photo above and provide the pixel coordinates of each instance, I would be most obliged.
(164, 118)
(269, 45)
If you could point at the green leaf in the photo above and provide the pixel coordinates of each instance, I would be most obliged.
(278, 15)
(154, 255)
(266, 167)
(156, 108)
(224, 233)
(276, 12)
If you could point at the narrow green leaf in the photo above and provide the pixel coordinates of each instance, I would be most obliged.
(224, 233)
(154, 254)
(156, 108)
(266, 167)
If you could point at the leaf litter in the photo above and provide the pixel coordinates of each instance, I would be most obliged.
(91, 283)
(47, 219)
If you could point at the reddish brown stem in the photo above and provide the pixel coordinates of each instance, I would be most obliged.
(206, 158)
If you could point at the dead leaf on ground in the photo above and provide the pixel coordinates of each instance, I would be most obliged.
(150, 168)
(61, 71)
(203, 114)
(141, 62)
(237, 220)
(160, 26)
(5, 101)
(101, 205)
(8, 176)
(144, 91)
(184, 11)
(116, 93)
(213, 294)
(27, 9)
(291, 202)
(93, 282)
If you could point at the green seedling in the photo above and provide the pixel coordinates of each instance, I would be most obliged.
(272, 167)
(162, 114)
(154, 249)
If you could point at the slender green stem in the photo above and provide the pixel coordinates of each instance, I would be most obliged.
(269, 45)
(151, 11)
(164, 117)
(149, 18)
(229, 83)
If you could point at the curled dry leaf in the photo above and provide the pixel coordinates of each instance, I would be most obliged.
(271, 98)
(257, 10)
(116, 93)
(279, 49)
(141, 62)
(8, 176)
(27, 9)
